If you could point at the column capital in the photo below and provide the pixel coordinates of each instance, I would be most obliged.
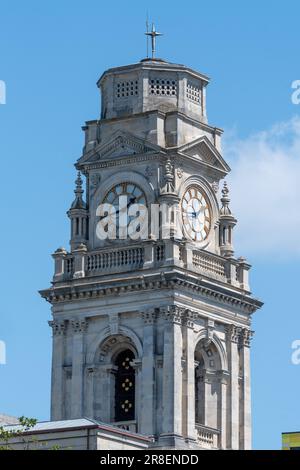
(173, 314)
(239, 335)
(107, 369)
(246, 337)
(233, 333)
(159, 361)
(136, 364)
(188, 318)
(150, 316)
(208, 376)
(92, 370)
(68, 372)
(223, 376)
(58, 327)
(79, 326)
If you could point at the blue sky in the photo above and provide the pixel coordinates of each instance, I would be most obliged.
(51, 54)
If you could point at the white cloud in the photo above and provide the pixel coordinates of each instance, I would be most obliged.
(265, 190)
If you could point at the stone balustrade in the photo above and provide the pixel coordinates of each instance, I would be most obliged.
(207, 438)
(147, 255)
(115, 259)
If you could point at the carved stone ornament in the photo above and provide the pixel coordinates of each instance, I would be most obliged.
(94, 182)
(174, 314)
(150, 316)
(58, 327)
(246, 337)
(168, 178)
(179, 172)
(79, 326)
(149, 171)
(215, 186)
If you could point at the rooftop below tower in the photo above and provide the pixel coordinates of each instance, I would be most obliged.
(153, 84)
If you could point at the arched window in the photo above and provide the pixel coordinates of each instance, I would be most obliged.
(207, 385)
(124, 387)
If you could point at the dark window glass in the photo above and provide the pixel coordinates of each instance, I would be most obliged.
(124, 387)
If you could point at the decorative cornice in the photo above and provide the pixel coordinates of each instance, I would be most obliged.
(123, 143)
(120, 161)
(175, 280)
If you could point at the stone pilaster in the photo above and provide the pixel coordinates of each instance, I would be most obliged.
(224, 379)
(189, 376)
(172, 372)
(57, 380)
(137, 365)
(159, 389)
(104, 391)
(233, 335)
(88, 405)
(78, 327)
(146, 422)
(245, 402)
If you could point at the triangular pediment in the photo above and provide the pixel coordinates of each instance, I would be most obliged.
(120, 145)
(205, 152)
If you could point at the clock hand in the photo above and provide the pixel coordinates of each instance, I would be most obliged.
(202, 209)
(193, 214)
(131, 201)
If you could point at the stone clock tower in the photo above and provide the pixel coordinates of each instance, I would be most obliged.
(152, 332)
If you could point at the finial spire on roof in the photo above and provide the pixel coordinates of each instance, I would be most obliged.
(153, 34)
(78, 190)
(78, 202)
(225, 200)
(227, 223)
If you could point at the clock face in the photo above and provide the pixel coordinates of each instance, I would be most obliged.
(120, 208)
(196, 214)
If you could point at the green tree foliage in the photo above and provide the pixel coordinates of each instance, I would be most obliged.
(6, 435)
